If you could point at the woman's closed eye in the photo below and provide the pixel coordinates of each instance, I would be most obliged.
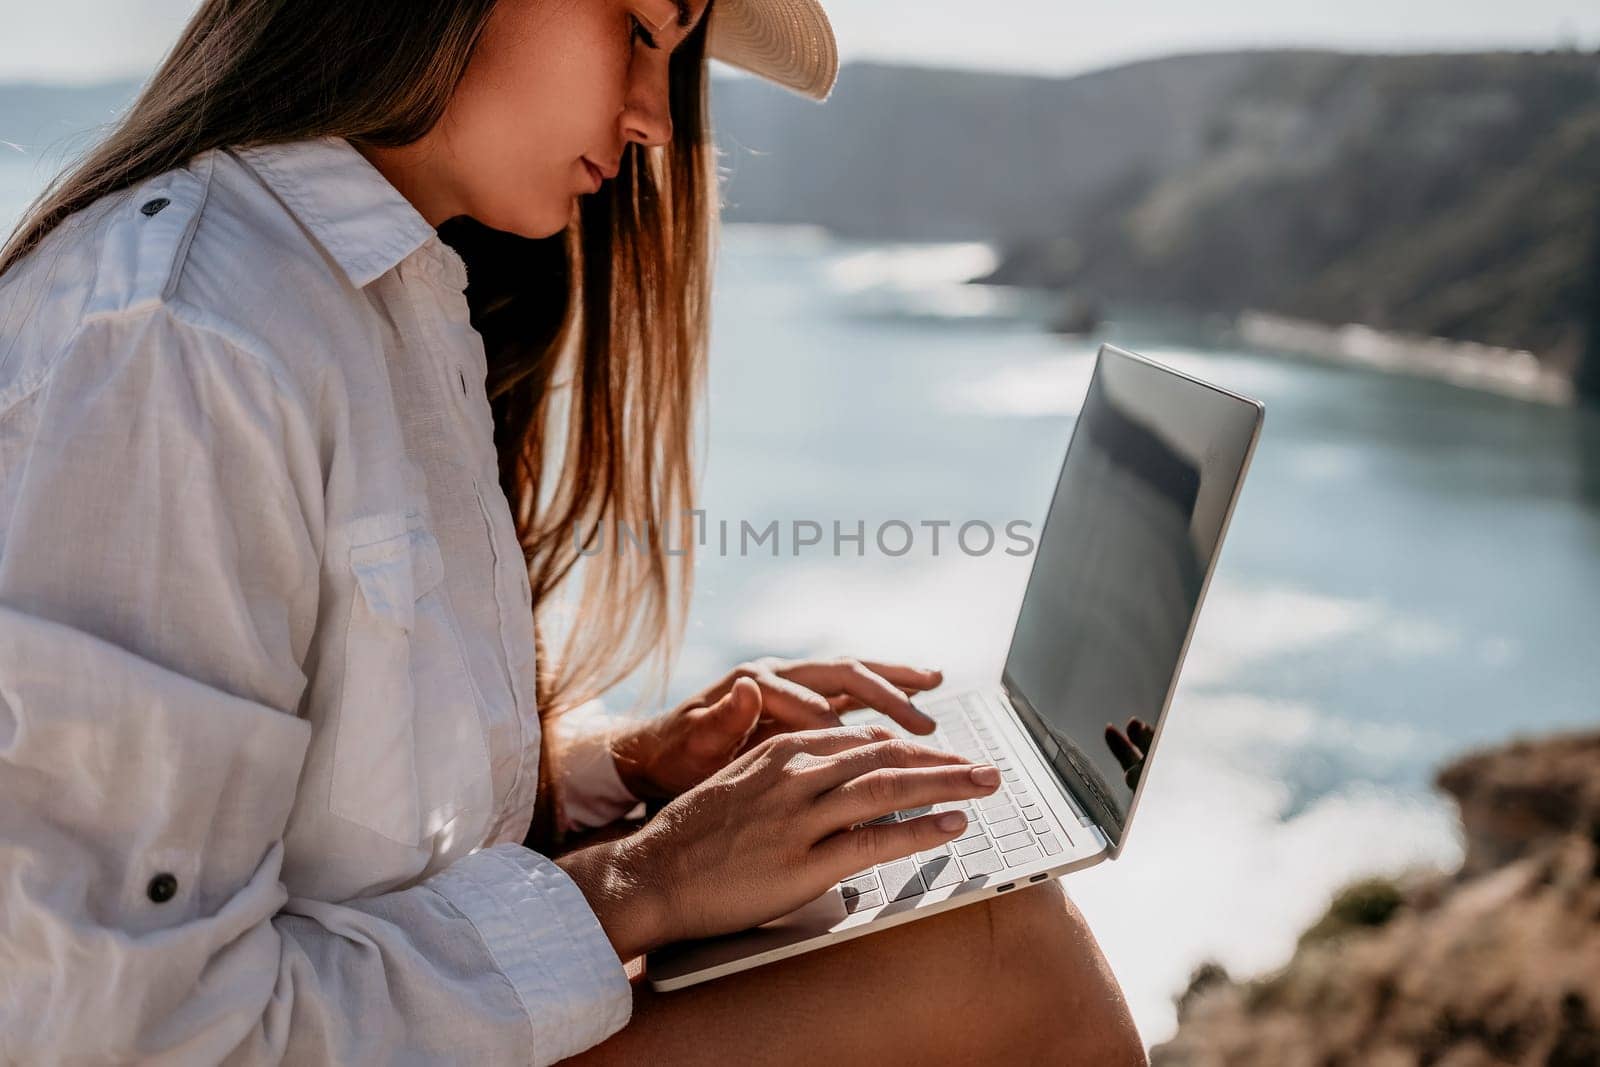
(641, 33)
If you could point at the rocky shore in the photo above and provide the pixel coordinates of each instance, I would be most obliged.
(1497, 963)
(1509, 372)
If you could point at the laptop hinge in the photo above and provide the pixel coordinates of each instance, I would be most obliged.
(1068, 777)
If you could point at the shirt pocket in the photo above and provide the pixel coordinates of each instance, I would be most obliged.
(409, 755)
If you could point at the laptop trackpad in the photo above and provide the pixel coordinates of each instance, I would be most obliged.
(805, 922)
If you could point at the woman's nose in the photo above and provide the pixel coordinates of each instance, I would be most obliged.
(647, 117)
(649, 126)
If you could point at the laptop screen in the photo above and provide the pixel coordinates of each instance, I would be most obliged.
(1133, 529)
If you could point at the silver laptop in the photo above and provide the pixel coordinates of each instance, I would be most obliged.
(1149, 483)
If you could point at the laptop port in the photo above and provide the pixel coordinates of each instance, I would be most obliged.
(1003, 888)
(1038, 878)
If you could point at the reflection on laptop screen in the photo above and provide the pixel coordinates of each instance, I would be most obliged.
(1132, 529)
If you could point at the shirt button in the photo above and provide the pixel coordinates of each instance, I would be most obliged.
(162, 888)
(150, 207)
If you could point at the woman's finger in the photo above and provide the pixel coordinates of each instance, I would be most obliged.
(912, 679)
(850, 851)
(848, 764)
(909, 680)
(724, 727)
(793, 705)
(852, 677)
(843, 702)
(880, 792)
(831, 741)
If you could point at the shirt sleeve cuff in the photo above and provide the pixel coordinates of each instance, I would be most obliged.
(544, 937)
(585, 777)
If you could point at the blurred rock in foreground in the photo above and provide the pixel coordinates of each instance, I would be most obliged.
(1497, 964)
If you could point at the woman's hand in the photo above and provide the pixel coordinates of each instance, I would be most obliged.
(662, 757)
(772, 830)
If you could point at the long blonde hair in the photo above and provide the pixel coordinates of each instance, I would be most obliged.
(620, 299)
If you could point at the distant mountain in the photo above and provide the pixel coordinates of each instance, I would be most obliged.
(908, 153)
(1452, 196)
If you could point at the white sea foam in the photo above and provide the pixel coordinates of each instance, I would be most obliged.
(1045, 387)
(1055, 385)
(910, 266)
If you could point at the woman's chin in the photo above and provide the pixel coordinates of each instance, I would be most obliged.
(533, 224)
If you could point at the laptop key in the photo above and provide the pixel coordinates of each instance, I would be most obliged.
(932, 854)
(981, 863)
(900, 879)
(1014, 841)
(861, 883)
(973, 844)
(1005, 827)
(854, 904)
(1052, 847)
(1000, 812)
(1023, 855)
(993, 800)
(941, 872)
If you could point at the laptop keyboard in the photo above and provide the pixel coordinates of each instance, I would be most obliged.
(1005, 829)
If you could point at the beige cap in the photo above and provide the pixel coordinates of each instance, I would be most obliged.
(789, 42)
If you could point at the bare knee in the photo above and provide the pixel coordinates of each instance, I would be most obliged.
(1045, 959)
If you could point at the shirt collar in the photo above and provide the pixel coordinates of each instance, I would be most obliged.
(358, 217)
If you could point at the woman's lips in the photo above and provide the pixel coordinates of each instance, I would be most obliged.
(594, 174)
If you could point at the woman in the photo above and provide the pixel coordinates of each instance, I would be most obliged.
(308, 375)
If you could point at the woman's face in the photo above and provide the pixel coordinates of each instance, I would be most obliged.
(551, 83)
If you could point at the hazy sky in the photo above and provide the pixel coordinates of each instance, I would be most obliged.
(83, 40)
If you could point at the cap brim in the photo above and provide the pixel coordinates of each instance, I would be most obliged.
(788, 42)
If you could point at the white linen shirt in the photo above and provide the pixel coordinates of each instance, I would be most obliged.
(268, 740)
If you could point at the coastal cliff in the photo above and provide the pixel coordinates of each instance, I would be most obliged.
(1439, 196)
(1498, 963)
